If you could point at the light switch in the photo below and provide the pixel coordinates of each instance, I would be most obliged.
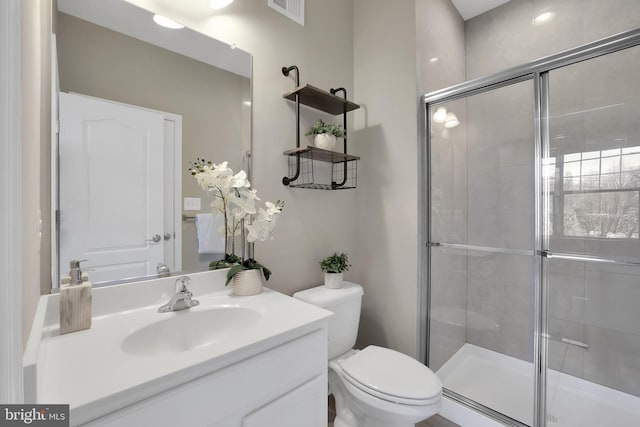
(192, 203)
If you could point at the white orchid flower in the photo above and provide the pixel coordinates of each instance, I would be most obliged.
(218, 205)
(248, 206)
(249, 193)
(259, 230)
(223, 169)
(240, 180)
(273, 209)
(234, 198)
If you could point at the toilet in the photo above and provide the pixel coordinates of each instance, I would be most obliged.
(375, 386)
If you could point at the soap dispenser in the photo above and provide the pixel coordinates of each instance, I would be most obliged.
(75, 301)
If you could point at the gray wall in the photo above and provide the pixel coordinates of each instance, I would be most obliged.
(392, 68)
(386, 200)
(36, 170)
(440, 45)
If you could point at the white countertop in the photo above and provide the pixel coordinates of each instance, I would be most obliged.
(91, 371)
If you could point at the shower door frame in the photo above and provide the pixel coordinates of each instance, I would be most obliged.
(538, 72)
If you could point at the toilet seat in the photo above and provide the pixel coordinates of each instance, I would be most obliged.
(391, 376)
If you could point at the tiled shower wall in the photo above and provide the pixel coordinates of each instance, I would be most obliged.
(589, 303)
(594, 108)
(501, 215)
(449, 214)
(483, 183)
(440, 60)
(506, 36)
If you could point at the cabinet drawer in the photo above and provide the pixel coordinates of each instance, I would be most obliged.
(305, 406)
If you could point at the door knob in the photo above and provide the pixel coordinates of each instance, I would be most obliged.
(167, 236)
(155, 239)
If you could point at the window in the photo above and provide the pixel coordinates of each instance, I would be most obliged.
(594, 194)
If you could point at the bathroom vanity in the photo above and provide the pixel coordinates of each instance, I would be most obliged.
(230, 361)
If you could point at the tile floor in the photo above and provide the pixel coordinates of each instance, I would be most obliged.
(435, 421)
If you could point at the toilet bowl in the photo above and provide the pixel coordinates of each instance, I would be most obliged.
(375, 386)
(378, 387)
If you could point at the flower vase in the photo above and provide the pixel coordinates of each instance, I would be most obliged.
(326, 141)
(247, 282)
(333, 280)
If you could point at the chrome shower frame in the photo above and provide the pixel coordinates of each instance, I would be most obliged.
(538, 72)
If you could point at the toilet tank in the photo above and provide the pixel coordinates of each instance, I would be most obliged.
(345, 304)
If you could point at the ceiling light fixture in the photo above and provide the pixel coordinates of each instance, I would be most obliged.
(440, 116)
(219, 4)
(543, 18)
(166, 22)
(451, 121)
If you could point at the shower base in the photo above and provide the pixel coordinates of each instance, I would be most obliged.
(505, 384)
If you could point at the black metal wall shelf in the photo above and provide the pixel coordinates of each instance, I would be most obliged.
(322, 155)
(321, 100)
(301, 159)
(342, 168)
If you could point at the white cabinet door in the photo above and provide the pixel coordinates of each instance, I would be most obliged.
(111, 187)
(305, 406)
(281, 387)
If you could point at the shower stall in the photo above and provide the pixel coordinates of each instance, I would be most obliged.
(532, 291)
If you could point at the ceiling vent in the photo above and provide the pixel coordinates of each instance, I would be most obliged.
(292, 9)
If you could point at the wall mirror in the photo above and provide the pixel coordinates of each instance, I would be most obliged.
(136, 103)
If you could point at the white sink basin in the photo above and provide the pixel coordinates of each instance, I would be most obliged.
(188, 330)
(132, 352)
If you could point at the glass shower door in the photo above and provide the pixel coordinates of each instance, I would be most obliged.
(592, 199)
(482, 249)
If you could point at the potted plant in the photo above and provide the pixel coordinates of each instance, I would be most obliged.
(325, 134)
(334, 266)
(243, 222)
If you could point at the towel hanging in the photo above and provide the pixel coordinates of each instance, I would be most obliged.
(210, 239)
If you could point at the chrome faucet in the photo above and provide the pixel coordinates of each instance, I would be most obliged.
(75, 272)
(163, 270)
(182, 297)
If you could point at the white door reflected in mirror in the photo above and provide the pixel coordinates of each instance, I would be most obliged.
(112, 188)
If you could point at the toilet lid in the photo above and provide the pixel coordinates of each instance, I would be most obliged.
(389, 374)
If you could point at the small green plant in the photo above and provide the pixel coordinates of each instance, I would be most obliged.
(321, 127)
(336, 263)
